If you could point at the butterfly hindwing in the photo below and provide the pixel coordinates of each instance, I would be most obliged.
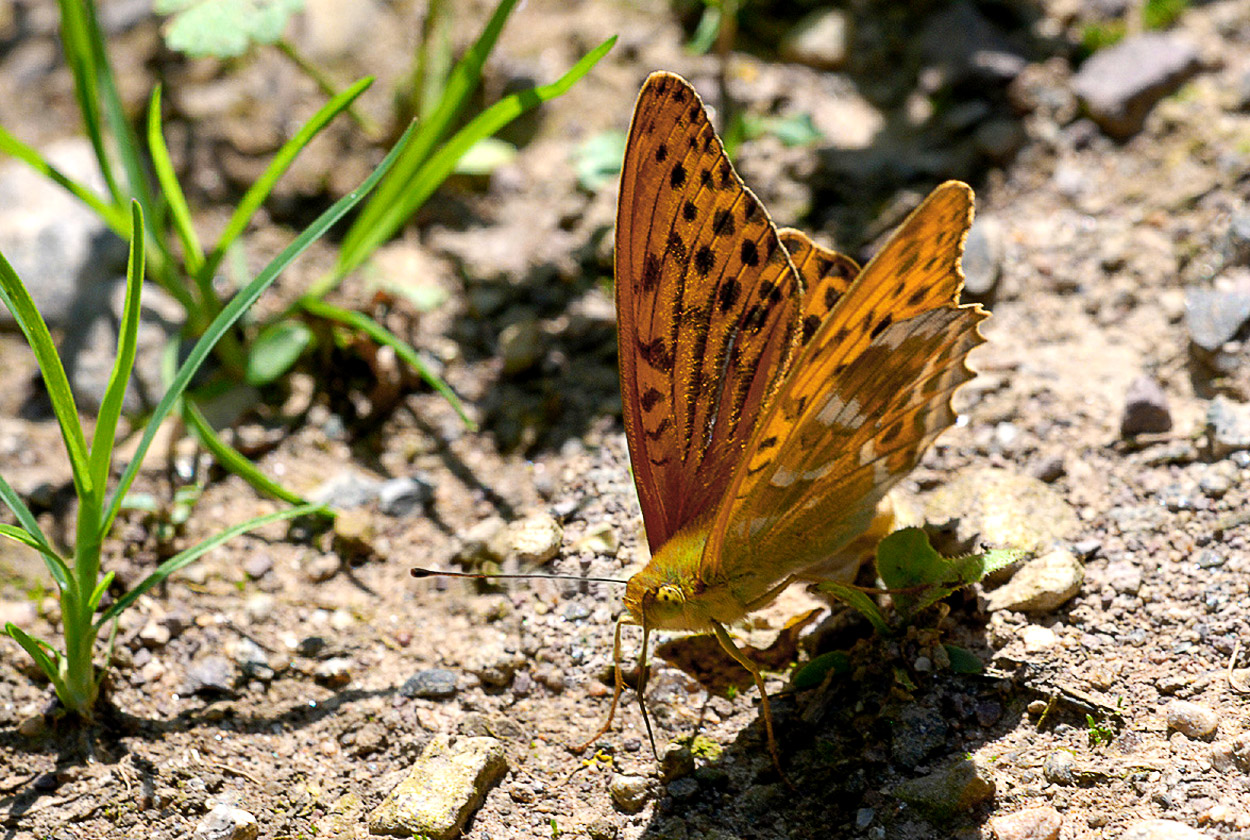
(826, 277)
(707, 305)
(867, 395)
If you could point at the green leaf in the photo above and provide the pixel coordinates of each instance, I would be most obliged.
(127, 345)
(918, 576)
(276, 349)
(813, 673)
(233, 460)
(705, 33)
(860, 601)
(224, 28)
(598, 160)
(47, 657)
(485, 156)
(963, 661)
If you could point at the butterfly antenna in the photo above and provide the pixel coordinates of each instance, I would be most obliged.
(426, 573)
(642, 688)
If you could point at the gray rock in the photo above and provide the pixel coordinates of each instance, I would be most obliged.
(1192, 720)
(348, 489)
(683, 789)
(954, 788)
(1216, 316)
(226, 822)
(1120, 84)
(1041, 823)
(983, 256)
(443, 789)
(1060, 768)
(821, 39)
(1001, 508)
(258, 564)
(918, 734)
(210, 675)
(404, 495)
(676, 761)
(61, 250)
(1041, 585)
(1146, 409)
(431, 683)
(629, 793)
(1161, 830)
(1228, 426)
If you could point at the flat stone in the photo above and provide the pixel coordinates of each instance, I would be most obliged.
(1193, 720)
(1041, 585)
(952, 789)
(443, 789)
(1119, 85)
(1216, 316)
(1161, 830)
(1001, 508)
(983, 256)
(226, 822)
(431, 683)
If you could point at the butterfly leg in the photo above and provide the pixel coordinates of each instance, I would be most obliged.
(616, 692)
(727, 642)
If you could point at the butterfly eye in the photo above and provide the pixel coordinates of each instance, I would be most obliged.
(668, 594)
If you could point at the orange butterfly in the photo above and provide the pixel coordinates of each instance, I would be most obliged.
(773, 391)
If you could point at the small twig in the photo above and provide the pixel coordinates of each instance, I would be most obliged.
(1233, 682)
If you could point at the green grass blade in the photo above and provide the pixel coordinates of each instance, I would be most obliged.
(185, 558)
(406, 197)
(175, 199)
(14, 295)
(233, 460)
(259, 191)
(115, 217)
(56, 566)
(239, 304)
(363, 323)
(461, 83)
(39, 652)
(80, 56)
(30, 526)
(127, 344)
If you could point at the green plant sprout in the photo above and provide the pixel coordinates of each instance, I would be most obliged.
(264, 349)
(72, 669)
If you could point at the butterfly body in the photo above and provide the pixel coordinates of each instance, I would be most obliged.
(773, 390)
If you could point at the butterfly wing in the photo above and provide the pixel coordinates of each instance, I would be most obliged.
(707, 308)
(859, 406)
(826, 276)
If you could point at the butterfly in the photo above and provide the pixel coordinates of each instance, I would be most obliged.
(773, 390)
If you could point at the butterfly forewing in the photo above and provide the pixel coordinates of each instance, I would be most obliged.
(863, 400)
(707, 304)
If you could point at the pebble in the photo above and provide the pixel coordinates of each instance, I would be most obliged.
(629, 793)
(1037, 638)
(258, 564)
(210, 675)
(445, 786)
(1229, 754)
(1049, 469)
(983, 256)
(1060, 768)
(1161, 830)
(676, 761)
(600, 538)
(318, 567)
(603, 828)
(535, 539)
(520, 346)
(1215, 316)
(405, 495)
(1040, 585)
(1228, 426)
(1218, 479)
(1119, 85)
(1042, 823)
(821, 39)
(1192, 720)
(1236, 244)
(335, 672)
(955, 788)
(226, 822)
(1146, 409)
(1124, 576)
(346, 490)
